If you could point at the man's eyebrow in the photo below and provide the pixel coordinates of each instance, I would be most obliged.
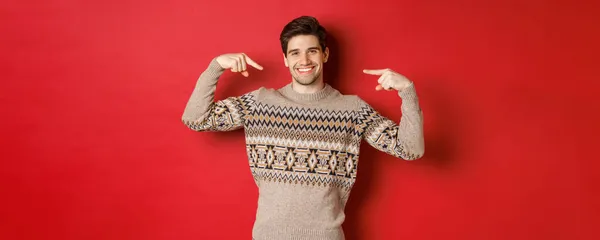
(310, 48)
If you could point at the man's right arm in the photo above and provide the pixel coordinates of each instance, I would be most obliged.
(202, 113)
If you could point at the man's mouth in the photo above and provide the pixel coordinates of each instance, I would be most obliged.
(305, 70)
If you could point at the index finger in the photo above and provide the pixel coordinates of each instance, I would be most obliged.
(252, 63)
(374, 71)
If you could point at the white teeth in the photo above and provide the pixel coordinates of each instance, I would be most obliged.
(304, 69)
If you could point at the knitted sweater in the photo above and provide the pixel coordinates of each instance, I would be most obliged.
(303, 149)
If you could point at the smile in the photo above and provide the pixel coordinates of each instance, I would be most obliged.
(305, 70)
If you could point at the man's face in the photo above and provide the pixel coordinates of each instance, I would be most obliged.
(305, 59)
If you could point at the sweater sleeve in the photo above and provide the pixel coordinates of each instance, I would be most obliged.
(202, 113)
(404, 140)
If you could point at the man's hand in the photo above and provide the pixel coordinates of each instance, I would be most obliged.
(237, 62)
(389, 79)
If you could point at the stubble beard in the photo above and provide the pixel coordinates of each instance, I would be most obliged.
(304, 80)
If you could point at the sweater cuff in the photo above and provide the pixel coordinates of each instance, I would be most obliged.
(214, 69)
(409, 97)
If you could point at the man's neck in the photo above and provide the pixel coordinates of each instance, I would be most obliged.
(305, 89)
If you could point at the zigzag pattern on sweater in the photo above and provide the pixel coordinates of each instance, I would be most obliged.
(300, 119)
(301, 178)
(225, 115)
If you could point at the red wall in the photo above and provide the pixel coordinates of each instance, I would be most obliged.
(92, 96)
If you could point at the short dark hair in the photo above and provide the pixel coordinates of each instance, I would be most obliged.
(304, 25)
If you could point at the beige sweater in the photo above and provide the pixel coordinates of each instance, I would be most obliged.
(303, 149)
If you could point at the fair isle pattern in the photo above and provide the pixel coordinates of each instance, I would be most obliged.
(303, 118)
(303, 128)
(313, 167)
(312, 147)
(383, 133)
(293, 145)
(225, 115)
(315, 147)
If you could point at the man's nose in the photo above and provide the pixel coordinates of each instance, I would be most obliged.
(304, 59)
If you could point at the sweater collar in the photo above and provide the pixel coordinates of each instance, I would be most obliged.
(323, 93)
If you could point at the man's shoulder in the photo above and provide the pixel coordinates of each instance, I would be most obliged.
(352, 98)
(259, 90)
(264, 93)
(266, 90)
(347, 102)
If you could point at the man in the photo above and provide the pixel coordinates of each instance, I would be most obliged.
(303, 139)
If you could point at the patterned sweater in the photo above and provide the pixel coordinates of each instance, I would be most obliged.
(303, 149)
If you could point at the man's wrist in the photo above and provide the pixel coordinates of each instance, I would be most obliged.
(404, 86)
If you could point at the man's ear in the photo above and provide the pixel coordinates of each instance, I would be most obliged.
(285, 60)
(326, 55)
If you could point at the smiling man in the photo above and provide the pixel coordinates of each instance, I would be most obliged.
(303, 139)
(305, 58)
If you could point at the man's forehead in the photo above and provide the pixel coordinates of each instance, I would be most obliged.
(294, 47)
(304, 39)
(303, 42)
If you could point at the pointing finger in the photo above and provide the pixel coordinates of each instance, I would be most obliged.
(374, 71)
(253, 63)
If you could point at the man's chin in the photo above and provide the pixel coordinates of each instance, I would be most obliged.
(306, 82)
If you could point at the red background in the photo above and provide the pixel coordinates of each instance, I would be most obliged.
(93, 146)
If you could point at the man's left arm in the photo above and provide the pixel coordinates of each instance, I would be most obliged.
(405, 139)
